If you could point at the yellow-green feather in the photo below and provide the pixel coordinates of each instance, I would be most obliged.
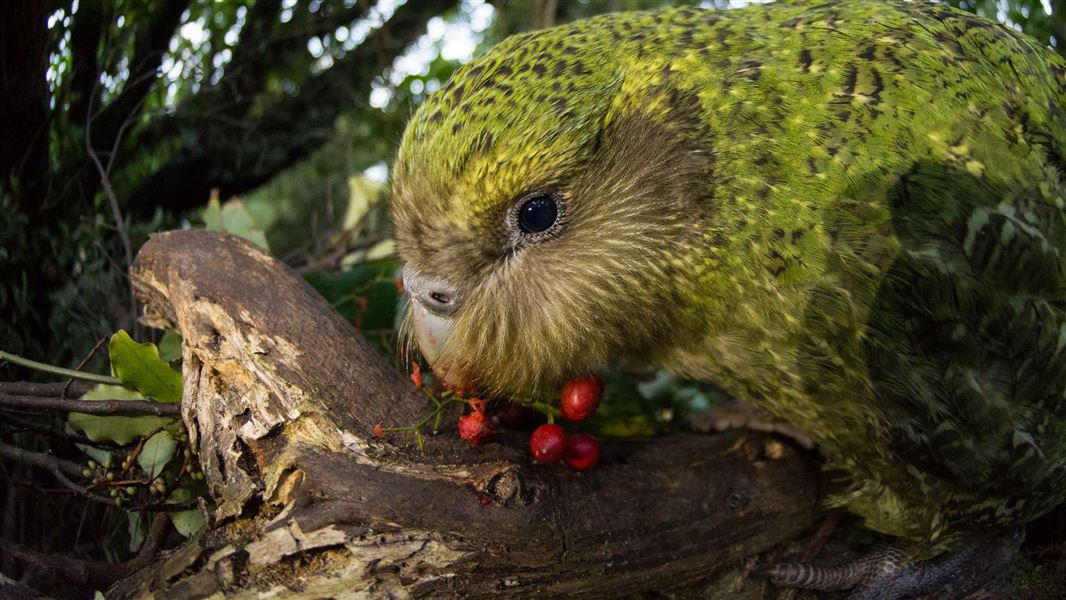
(872, 245)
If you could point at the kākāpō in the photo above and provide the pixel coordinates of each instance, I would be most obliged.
(850, 214)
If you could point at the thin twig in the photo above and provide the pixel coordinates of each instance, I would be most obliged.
(27, 388)
(58, 467)
(41, 460)
(93, 407)
(54, 370)
(79, 571)
(140, 446)
(336, 253)
(105, 183)
(84, 361)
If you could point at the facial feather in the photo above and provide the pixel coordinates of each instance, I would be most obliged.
(601, 287)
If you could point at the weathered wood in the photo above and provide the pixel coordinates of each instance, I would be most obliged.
(281, 396)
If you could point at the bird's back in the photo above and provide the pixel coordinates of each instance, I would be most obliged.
(897, 174)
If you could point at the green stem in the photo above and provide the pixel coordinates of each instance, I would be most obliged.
(545, 408)
(433, 415)
(54, 370)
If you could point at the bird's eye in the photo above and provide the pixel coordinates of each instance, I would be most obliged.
(538, 214)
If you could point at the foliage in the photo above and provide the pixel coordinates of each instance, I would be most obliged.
(233, 217)
(139, 108)
(140, 368)
(1030, 16)
(121, 430)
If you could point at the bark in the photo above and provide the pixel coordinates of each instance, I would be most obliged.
(281, 398)
(24, 102)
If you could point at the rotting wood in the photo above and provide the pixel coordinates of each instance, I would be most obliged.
(281, 396)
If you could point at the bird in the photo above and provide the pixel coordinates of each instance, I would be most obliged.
(847, 214)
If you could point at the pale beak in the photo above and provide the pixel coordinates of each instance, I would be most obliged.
(431, 331)
(434, 303)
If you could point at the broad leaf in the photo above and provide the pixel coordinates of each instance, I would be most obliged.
(233, 217)
(119, 429)
(98, 454)
(212, 215)
(170, 346)
(362, 194)
(137, 530)
(187, 522)
(237, 220)
(140, 367)
(157, 452)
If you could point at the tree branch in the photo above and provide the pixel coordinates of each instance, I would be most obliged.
(26, 388)
(149, 46)
(281, 400)
(24, 102)
(238, 156)
(29, 425)
(85, 36)
(91, 573)
(92, 407)
(61, 469)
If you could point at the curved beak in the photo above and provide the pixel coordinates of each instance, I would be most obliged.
(431, 331)
(434, 303)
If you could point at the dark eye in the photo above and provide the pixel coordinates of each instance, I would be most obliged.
(538, 214)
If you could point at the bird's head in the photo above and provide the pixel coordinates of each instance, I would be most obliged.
(547, 211)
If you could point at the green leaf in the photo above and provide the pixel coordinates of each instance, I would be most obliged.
(382, 250)
(180, 495)
(156, 453)
(140, 368)
(237, 220)
(366, 294)
(623, 411)
(98, 454)
(623, 426)
(187, 522)
(118, 429)
(137, 530)
(233, 217)
(170, 346)
(213, 215)
(362, 194)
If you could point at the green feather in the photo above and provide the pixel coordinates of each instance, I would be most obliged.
(850, 214)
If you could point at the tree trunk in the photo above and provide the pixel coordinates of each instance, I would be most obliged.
(281, 399)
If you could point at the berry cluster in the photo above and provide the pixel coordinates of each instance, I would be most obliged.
(549, 443)
(475, 427)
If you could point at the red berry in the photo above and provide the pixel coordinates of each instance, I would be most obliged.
(582, 451)
(580, 398)
(474, 428)
(416, 374)
(379, 430)
(548, 443)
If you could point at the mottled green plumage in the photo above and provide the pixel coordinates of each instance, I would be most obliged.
(850, 214)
